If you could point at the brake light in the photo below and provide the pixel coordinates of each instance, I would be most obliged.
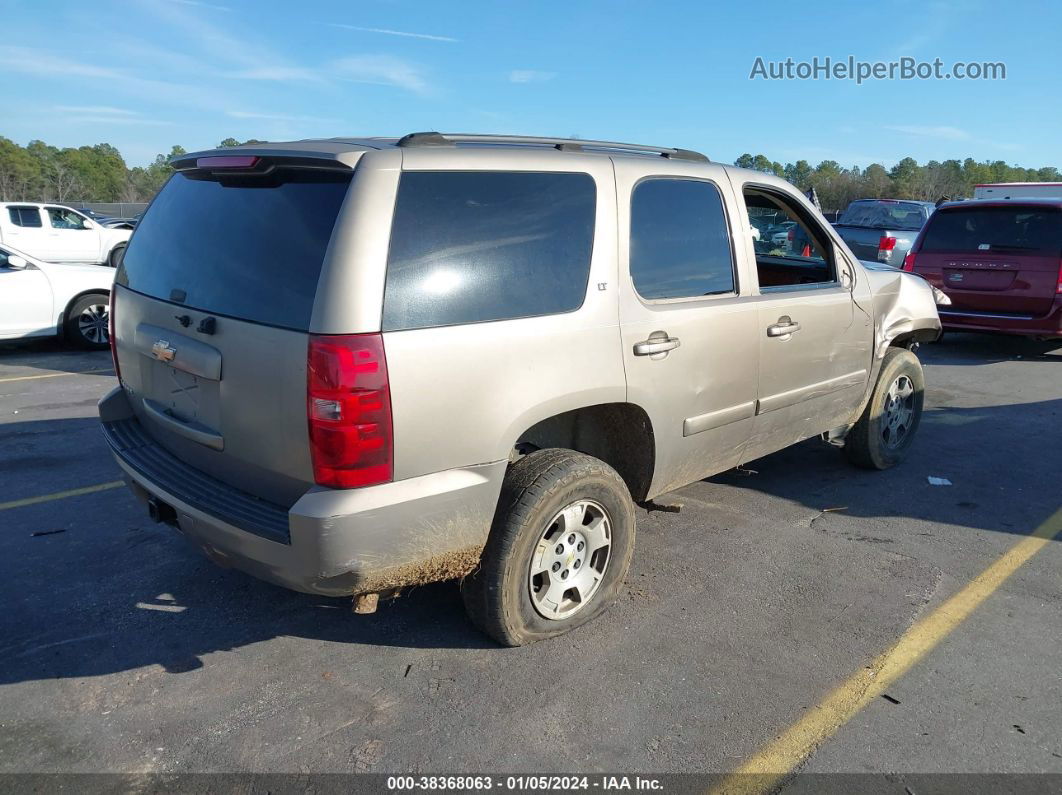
(1058, 290)
(348, 405)
(227, 161)
(789, 236)
(909, 261)
(886, 243)
(110, 335)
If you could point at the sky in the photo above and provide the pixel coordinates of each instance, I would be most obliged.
(144, 75)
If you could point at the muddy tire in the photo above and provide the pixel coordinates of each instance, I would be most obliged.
(86, 324)
(558, 551)
(882, 436)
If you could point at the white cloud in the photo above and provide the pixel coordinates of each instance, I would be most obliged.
(279, 74)
(99, 110)
(388, 32)
(199, 4)
(942, 132)
(385, 70)
(530, 76)
(246, 114)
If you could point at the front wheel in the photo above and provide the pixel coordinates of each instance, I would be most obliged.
(87, 322)
(558, 551)
(883, 434)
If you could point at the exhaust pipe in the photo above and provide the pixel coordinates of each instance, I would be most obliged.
(160, 512)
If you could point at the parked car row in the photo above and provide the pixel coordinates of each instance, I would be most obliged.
(47, 299)
(997, 257)
(54, 233)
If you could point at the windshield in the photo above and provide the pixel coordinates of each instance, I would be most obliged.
(1033, 229)
(250, 247)
(885, 215)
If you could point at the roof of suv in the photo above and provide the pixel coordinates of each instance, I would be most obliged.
(341, 149)
(1021, 201)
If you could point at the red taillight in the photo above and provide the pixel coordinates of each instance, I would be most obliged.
(110, 335)
(909, 261)
(789, 236)
(348, 403)
(1058, 290)
(886, 243)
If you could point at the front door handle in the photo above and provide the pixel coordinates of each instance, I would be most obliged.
(783, 328)
(656, 345)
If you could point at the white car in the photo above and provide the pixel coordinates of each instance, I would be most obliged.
(55, 233)
(45, 299)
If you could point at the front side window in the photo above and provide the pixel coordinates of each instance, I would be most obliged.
(25, 216)
(793, 250)
(680, 245)
(62, 218)
(476, 246)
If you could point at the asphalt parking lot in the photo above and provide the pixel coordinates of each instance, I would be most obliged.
(122, 649)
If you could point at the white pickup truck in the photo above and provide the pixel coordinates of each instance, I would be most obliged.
(55, 233)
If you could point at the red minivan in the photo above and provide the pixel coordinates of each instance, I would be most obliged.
(1000, 263)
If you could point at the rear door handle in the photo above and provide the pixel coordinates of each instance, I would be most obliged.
(659, 345)
(783, 328)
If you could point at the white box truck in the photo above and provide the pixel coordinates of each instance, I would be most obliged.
(1019, 190)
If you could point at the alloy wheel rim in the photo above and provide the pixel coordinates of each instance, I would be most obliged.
(897, 412)
(570, 560)
(92, 323)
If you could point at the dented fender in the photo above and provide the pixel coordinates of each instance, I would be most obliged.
(905, 307)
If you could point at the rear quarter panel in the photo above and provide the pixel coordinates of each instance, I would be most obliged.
(461, 395)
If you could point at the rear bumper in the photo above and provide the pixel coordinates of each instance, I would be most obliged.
(1049, 325)
(336, 543)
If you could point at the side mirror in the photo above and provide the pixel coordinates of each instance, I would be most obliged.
(16, 262)
(86, 224)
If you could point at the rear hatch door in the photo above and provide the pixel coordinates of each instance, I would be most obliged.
(212, 313)
(994, 258)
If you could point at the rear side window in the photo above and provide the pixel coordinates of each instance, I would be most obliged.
(474, 246)
(680, 246)
(24, 216)
(246, 247)
(1032, 229)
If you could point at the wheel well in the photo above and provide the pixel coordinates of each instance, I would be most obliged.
(917, 335)
(70, 304)
(620, 434)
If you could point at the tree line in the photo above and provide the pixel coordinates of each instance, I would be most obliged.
(39, 172)
(837, 186)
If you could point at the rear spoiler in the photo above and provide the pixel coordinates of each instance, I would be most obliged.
(238, 160)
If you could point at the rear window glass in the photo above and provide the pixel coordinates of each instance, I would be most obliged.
(680, 245)
(248, 247)
(1032, 229)
(469, 247)
(885, 215)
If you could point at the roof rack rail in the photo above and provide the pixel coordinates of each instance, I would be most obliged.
(563, 144)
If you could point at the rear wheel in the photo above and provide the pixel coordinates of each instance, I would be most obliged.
(87, 322)
(558, 551)
(883, 434)
(114, 259)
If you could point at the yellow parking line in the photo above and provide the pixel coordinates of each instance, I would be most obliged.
(765, 770)
(61, 495)
(54, 375)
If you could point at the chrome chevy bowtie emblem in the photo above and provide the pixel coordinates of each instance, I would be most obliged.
(163, 351)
